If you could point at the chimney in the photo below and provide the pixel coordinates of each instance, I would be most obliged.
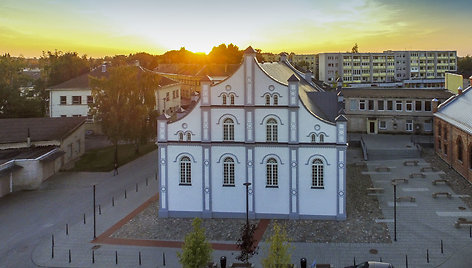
(459, 91)
(435, 103)
(28, 139)
(104, 68)
(283, 57)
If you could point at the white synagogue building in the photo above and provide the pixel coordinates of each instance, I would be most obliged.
(267, 124)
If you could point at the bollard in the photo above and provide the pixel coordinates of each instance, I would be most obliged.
(70, 260)
(470, 230)
(140, 258)
(94, 216)
(84, 218)
(427, 256)
(125, 193)
(99, 210)
(380, 259)
(406, 261)
(112, 201)
(302, 263)
(146, 181)
(52, 247)
(136, 187)
(442, 248)
(163, 259)
(67, 229)
(354, 261)
(93, 256)
(223, 261)
(116, 257)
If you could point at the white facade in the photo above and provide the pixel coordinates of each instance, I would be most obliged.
(264, 135)
(74, 102)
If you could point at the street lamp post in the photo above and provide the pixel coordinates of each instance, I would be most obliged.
(247, 202)
(394, 212)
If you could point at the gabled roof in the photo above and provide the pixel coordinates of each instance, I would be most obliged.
(458, 110)
(13, 130)
(249, 50)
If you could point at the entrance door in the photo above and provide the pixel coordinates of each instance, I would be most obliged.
(372, 127)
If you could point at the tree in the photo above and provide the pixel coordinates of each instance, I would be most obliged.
(196, 251)
(355, 49)
(246, 243)
(123, 103)
(279, 252)
(464, 66)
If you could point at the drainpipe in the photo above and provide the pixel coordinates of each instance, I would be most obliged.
(11, 181)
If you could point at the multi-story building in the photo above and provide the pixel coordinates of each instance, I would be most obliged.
(310, 59)
(73, 97)
(410, 69)
(453, 132)
(264, 125)
(391, 110)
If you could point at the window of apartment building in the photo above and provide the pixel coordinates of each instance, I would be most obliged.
(417, 105)
(76, 115)
(445, 149)
(63, 100)
(382, 124)
(89, 99)
(398, 105)
(460, 153)
(370, 105)
(167, 96)
(428, 125)
(427, 106)
(63, 115)
(353, 105)
(76, 99)
(380, 105)
(409, 106)
(409, 125)
(389, 105)
(362, 105)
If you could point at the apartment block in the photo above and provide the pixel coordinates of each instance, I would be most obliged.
(411, 69)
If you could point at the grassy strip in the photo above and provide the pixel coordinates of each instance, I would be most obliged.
(102, 159)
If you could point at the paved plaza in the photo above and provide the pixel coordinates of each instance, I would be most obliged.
(421, 225)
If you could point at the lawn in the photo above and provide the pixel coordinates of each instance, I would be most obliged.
(102, 159)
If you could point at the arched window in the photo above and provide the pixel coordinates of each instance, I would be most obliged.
(321, 138)
(224, 99)
(460, 148)
(189, 136)
(267, 99)
(228, 171)
(272, 173)
(313, 138)
(231, 97)
(276, 100)
(271, 130)
(181, 136)
(185, 170)
(228, 130)
(317, 174)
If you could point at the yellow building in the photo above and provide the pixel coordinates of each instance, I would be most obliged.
(453, 82)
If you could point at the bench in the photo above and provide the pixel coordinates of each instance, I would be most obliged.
(462, 221)
(394, 181)
(428, 169)
(411, 163)
(375, 190)
(417, 175)
(435, 182)
(382, 169)
(238, 264)
(442, 193)
(406, 198)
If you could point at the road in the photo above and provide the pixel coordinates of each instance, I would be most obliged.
(27, 217)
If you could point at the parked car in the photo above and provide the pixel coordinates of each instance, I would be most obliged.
(372, 264)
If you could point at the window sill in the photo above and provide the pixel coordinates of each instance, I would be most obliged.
(229, 185)
(185, 184)
(317, 187)
(272, 186)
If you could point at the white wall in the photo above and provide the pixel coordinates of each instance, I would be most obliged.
(309, 124)
(192, 123)
(69, 109)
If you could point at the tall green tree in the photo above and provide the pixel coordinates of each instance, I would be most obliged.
(15, 100)
(196, 251)
(355, 49)
(279, 251)
(464, 66)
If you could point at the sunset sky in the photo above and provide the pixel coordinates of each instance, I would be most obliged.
(104, 27)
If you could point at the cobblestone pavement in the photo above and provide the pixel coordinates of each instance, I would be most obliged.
(458, 184)
(360, 226)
